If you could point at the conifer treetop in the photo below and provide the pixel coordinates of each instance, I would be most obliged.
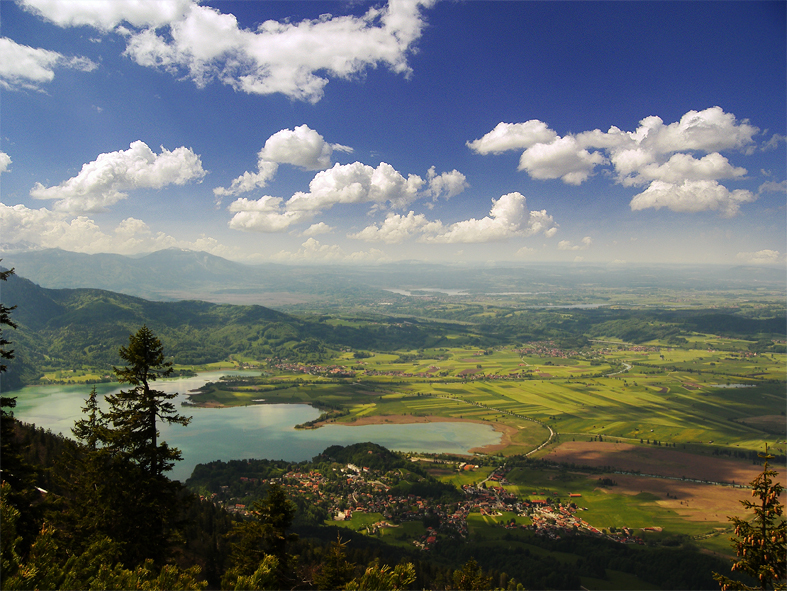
(145, 359)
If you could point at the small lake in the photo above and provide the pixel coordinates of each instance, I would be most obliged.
(257, 431)
(409, 292)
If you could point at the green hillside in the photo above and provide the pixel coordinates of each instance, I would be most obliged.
(70, 328)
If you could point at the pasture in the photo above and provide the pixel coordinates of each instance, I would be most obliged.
(680, 508)
(401, 534)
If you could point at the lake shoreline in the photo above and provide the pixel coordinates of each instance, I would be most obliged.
(506, 431)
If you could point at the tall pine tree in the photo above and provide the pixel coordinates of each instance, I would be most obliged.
(129, 431)
(9, 456)
(99, 486)
(135, 414)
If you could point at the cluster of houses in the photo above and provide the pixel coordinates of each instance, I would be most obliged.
(546, 349)
(334, 371)
(553, 520)
(352, 489)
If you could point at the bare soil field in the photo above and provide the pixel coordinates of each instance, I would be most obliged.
(694, 502)
(650, 460)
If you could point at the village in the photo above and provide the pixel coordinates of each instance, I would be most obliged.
(351, 490)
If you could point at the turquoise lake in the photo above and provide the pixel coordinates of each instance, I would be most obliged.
(258, 431)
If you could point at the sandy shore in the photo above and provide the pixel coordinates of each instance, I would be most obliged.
(506, 431)
(209, 404)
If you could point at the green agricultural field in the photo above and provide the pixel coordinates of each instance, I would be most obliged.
(492, 525)
(676, 396)
(358, 521)
(76, 376)
(607, 509)
(463, 477)
(403, 534)
(399, 535)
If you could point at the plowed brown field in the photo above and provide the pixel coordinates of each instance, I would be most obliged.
(656, 460)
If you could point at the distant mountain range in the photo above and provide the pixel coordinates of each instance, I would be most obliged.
(171, 274)
(175, 274)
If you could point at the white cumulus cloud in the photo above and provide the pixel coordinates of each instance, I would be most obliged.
(397, 228)
(249, 181)
(103, 182)
(348, 184)
(682, 167)
(262, 215)
(27, 67)
(692, 197)
(5, 162)
(656, 154)
(568, 245)
(563, 158)
(312, 251)
(357, 183)
(53, 229)
(318, 229)
(302, 147)
(762, 257)
(513, 136)
(105, 15)
(508, 218)
(447, 184)
(710, 130)
(206, 45)
(772, 187)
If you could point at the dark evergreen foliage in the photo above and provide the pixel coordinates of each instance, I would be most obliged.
(264, 534)
(135, 414)
(761, 543)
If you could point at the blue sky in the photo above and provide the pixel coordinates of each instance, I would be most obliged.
(305, 132)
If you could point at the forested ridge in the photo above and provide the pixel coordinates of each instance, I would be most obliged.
(64, 328)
